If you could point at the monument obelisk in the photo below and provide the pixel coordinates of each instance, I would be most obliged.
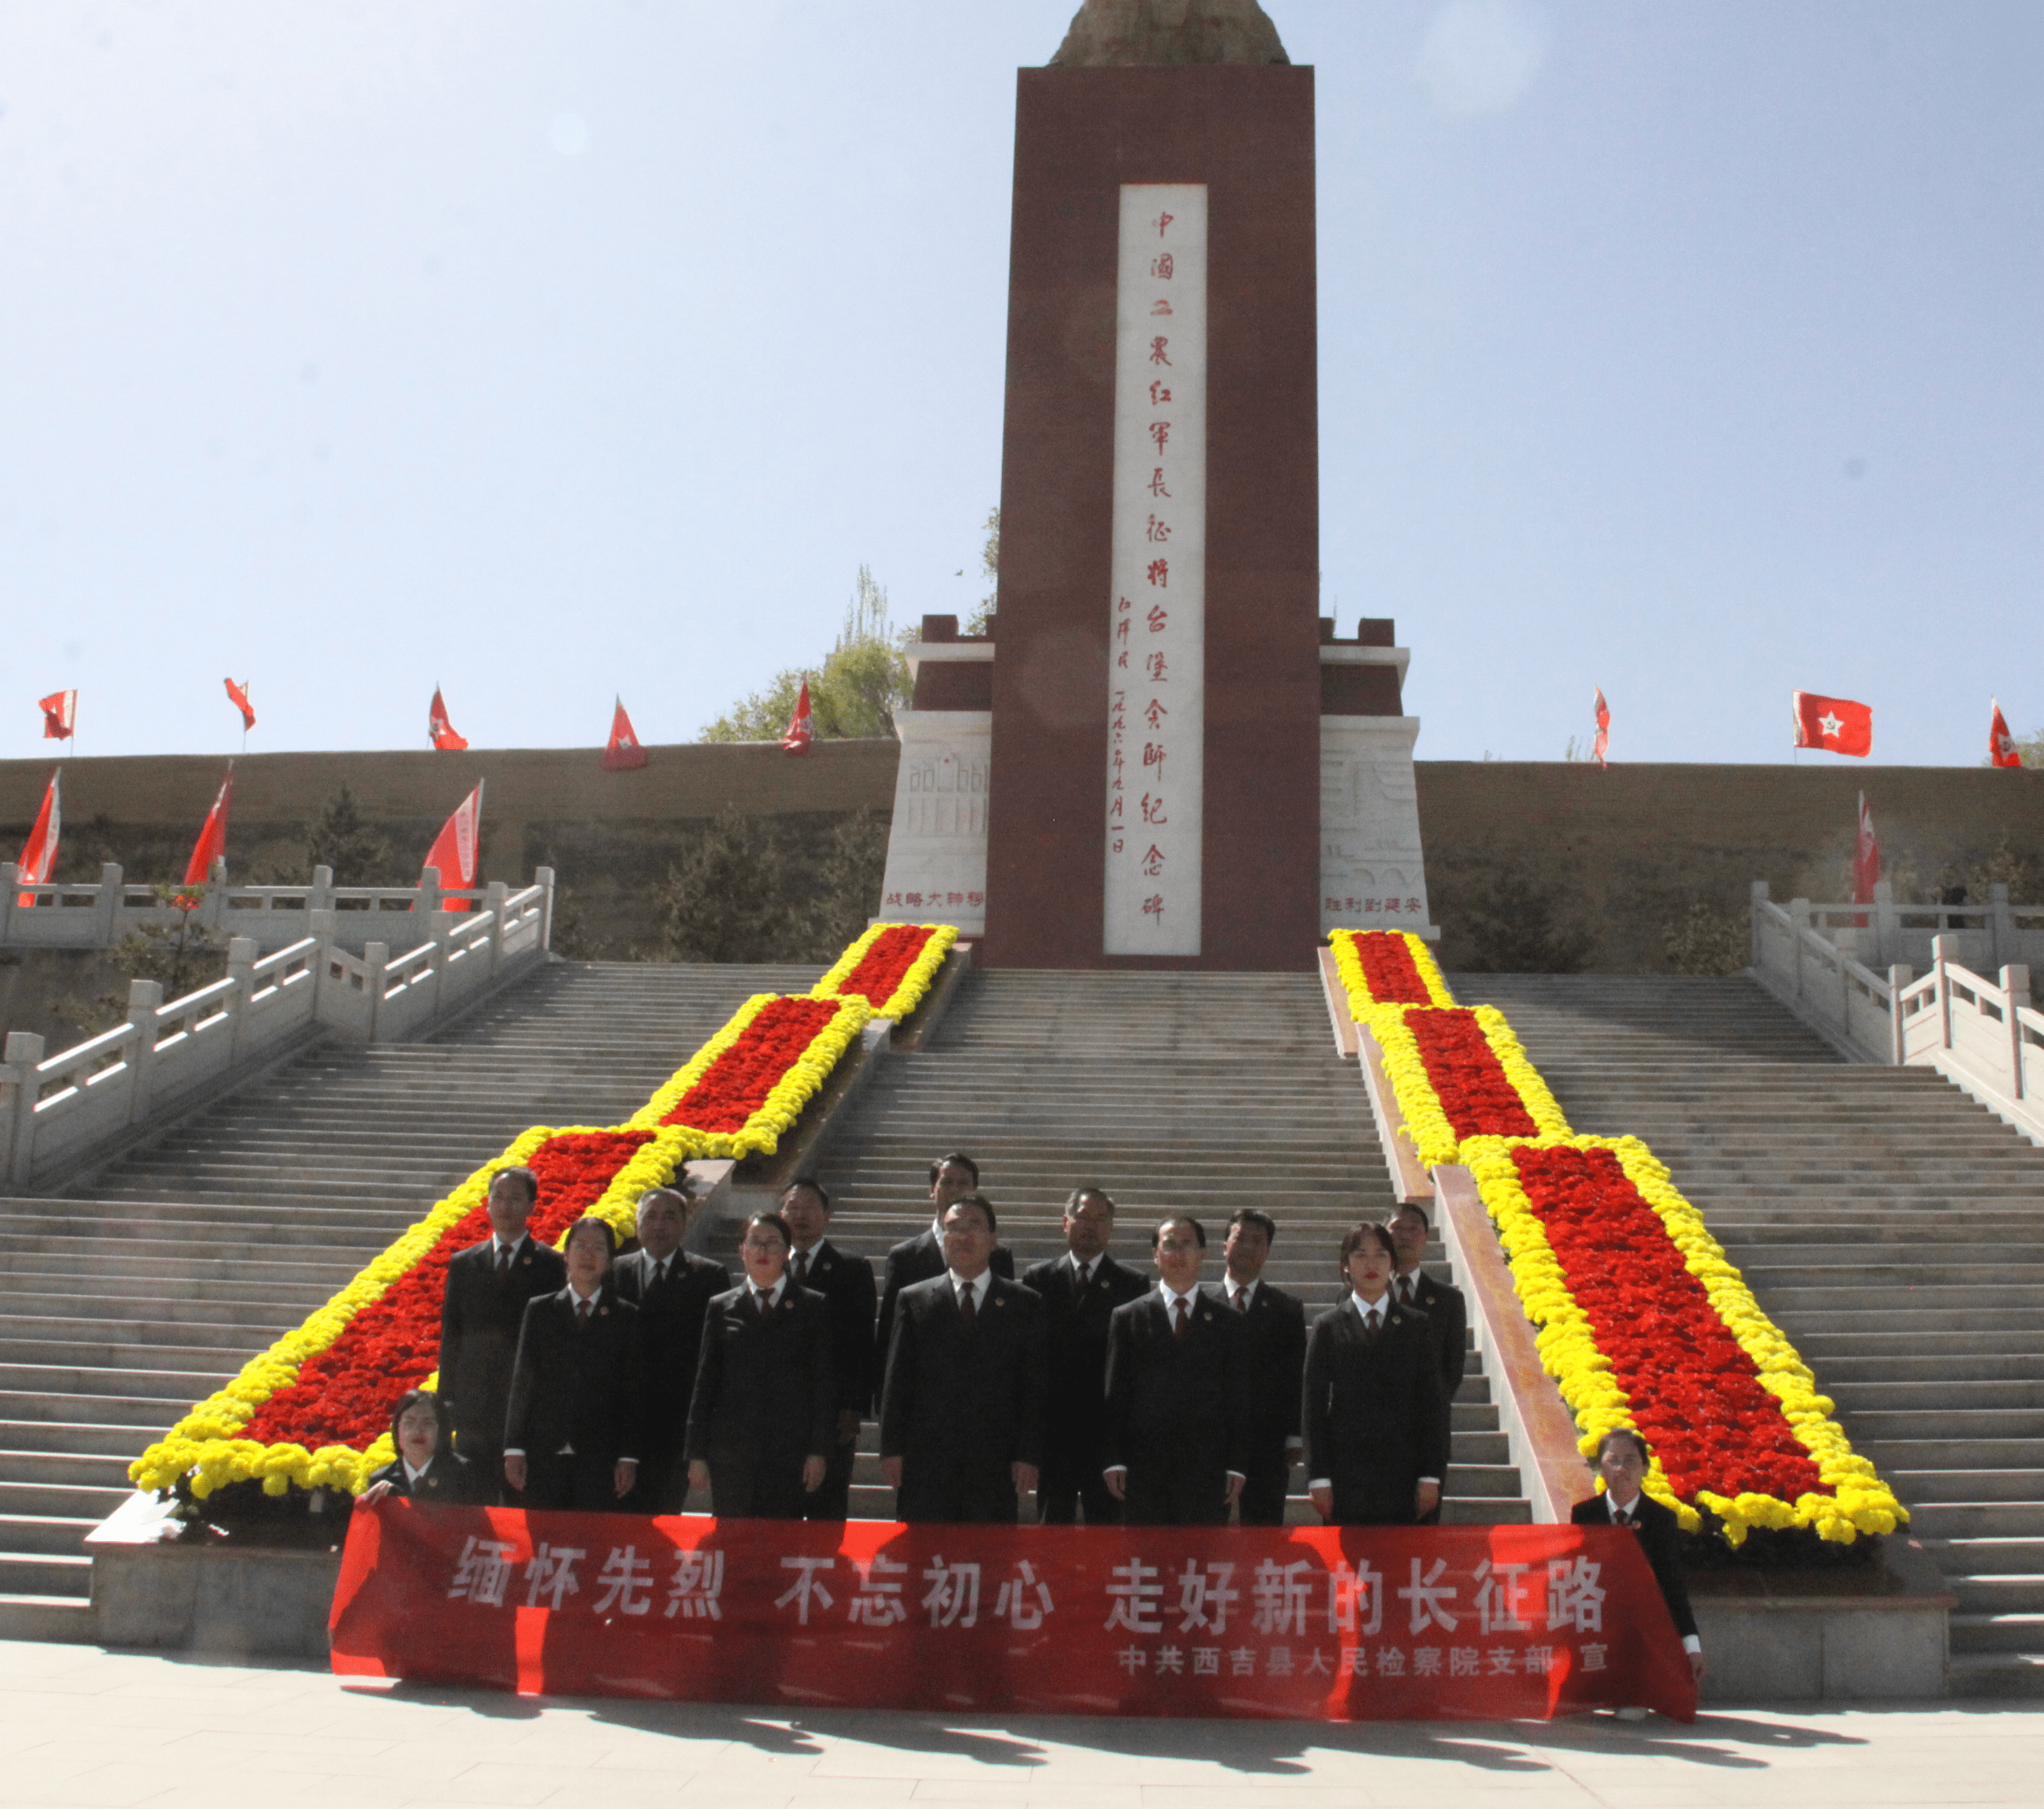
(1130, 772)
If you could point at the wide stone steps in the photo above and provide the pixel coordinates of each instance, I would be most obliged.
(1181, 1092)
(120, 1308)
(1887, 1224)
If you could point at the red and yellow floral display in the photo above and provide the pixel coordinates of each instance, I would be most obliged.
(314, 1409)
(749, 1083)
(1644, 1321)
(891, 967)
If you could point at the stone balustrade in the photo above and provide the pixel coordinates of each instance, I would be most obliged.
(1984, 1035)
(60, 1113)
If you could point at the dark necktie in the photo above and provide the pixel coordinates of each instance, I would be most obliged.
(1405, 1289)
(1178, 1330)
(582, 1313)
(1370, 1324)
(503, 1261)
(968, 1314)
(1620, 1517)
(1242, 1299)
(802, 1267)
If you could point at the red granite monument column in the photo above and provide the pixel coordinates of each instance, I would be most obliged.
(1241, 133)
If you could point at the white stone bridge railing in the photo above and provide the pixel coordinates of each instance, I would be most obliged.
(59, 1112)
(1984, 1035)
(97, 915)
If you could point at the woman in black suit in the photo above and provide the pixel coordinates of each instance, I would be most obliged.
(764, 1419)
(577, 1420)
(425, 1467)
(1375, 1418)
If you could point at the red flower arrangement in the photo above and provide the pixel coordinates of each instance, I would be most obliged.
(879, 973)
(343, 1396)
(1467, 1078)
(1696, 1394)
(1389, 970)
(737, 1084)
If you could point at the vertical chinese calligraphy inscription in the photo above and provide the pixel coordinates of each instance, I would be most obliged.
(1243, 135)
(1156, 702)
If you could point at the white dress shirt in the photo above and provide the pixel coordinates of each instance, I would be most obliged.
(976, 1287)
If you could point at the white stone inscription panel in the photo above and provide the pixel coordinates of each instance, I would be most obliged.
(1157, 666)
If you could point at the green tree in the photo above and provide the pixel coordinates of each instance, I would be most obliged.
(863, 680)
(989, 564)
(724, 900)
(345, 840)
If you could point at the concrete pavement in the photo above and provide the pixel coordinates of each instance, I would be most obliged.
(80, 1726)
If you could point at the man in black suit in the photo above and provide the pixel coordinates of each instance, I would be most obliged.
(672, 1290)
(1622, 1461)
(1177, 1393)
(1274, 1325)
(764, 1420)
(1081, 1289)
(961, 1407)
(1372, 1412)
(572, 1431)
(846, 1283)
(920, 1257)
(1442, 1304)
(481, 1309)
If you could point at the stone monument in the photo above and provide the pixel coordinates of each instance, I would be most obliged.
(1173, 762)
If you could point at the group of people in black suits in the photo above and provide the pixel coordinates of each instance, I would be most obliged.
(581, 1379)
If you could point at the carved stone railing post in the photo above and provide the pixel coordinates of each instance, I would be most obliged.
(17, 1098)
(145, 998)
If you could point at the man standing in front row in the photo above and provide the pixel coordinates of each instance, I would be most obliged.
(672, 1291)
(481, 1308)
(1178, 1407)
(962, 1406)
(1081, 1289)
(920, 1258)
(846, 1283)
(1274, 1325)
(1622, 1461)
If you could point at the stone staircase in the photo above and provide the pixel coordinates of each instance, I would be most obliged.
(121, 1305)
(1892, 1228)
(1197, 1093)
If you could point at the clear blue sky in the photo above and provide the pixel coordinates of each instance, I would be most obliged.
(549, 352)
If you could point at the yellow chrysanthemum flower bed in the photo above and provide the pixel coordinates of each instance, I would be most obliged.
(1858, 1502)
(915, 980)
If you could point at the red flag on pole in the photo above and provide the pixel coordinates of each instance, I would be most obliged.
(1866, 859)
(2000, 743)
(238, 696)
(1836, 725)
(453, 851)
(802, 728)
(1602, 745)
(39, 854)
(212, 843)
(623, 752)
(440, 729)
(59, 711)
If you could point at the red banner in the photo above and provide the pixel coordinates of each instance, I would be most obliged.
(1320, 1623)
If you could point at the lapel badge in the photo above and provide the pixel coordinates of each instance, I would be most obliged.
(1207, 1316)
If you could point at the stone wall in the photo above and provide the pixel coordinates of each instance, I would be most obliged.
(1602, 861)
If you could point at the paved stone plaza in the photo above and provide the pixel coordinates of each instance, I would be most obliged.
(81, 1725)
